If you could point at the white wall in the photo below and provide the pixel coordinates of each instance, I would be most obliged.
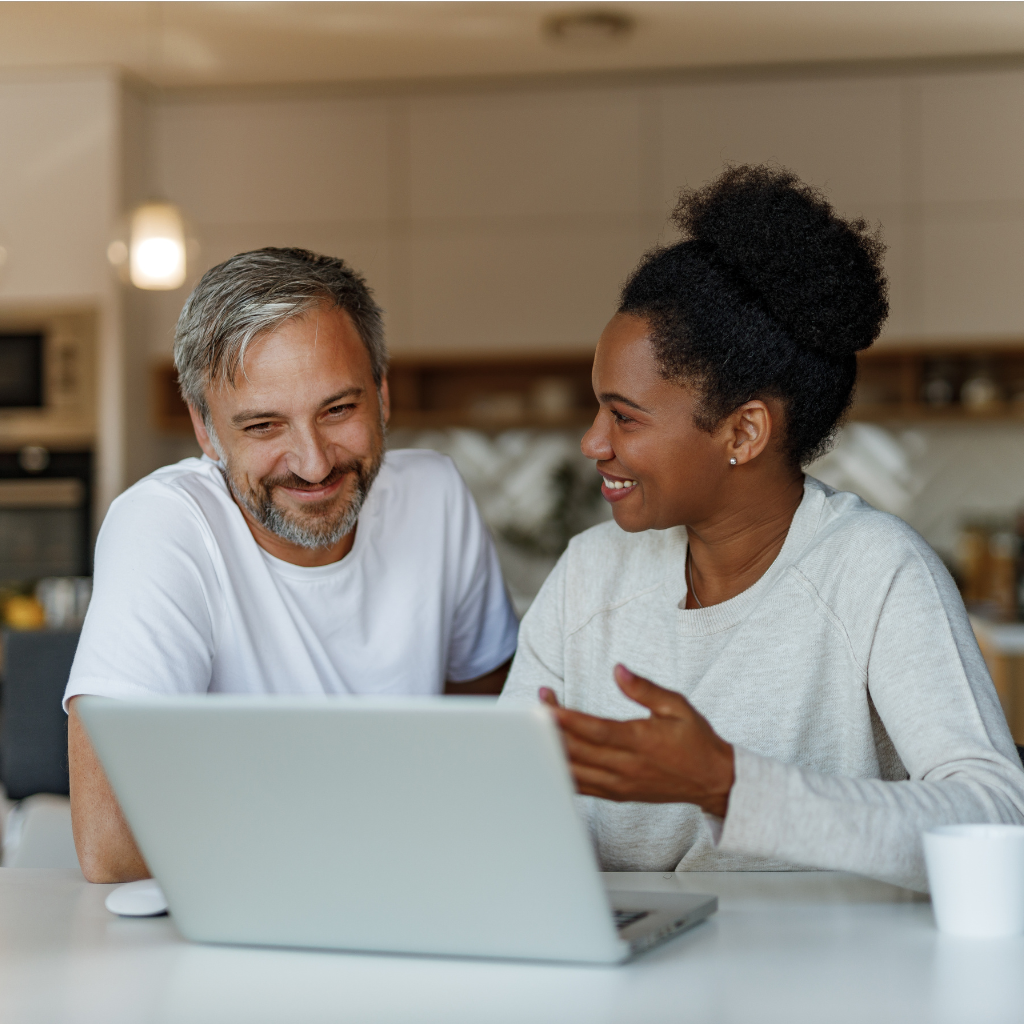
(971, 196)
(59, 195)
(58, 174)
(509, 218)
(501, 220)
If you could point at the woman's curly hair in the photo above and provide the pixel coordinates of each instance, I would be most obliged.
(769, 294)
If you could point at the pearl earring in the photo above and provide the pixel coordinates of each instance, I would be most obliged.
(732, 461)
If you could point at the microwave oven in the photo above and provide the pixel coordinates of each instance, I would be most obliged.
(47, 378)
(21, 370)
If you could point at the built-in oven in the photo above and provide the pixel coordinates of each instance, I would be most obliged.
(47, 433)
(45, 524)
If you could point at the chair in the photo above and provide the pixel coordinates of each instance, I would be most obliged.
(34, 749)
(33, 726)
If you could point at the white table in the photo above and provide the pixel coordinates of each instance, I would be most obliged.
(808, 947)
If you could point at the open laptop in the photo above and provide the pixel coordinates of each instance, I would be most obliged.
(405, 825)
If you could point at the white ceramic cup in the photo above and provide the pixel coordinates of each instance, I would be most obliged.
(976, 876)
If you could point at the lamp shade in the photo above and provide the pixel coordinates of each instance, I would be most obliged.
(157, 247)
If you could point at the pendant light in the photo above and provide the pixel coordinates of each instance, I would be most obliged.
(156, 247)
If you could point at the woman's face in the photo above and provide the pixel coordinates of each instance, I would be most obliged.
(660, 469)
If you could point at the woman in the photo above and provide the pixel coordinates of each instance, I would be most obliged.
(816, 695)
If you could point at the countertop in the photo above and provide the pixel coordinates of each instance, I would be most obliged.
(784, 947)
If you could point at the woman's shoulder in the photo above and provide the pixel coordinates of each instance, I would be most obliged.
(858, 550)
(605, 566)
(847, 519)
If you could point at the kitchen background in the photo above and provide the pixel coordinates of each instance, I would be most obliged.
(496, 219)
(496, 170)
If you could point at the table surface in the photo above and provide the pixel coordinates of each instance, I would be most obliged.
(783, 947)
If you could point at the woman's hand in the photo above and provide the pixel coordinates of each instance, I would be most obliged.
(672, 757)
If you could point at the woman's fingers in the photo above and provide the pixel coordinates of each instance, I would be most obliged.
(673, 756)
(599, 756)
(591, 781)
(601, 731)
(661, 702)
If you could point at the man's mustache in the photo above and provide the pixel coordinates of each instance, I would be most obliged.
(298, 484)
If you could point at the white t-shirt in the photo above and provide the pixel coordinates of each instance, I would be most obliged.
(186, 601)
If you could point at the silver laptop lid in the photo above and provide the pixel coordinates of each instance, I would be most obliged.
(421, 825)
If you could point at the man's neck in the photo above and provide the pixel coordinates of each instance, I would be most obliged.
(296, 554)
(730, 554)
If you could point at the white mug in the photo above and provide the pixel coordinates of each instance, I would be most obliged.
(976, 877)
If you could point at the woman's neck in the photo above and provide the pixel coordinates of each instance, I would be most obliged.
(732, 552)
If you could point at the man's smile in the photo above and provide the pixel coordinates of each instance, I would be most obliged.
(308, 495)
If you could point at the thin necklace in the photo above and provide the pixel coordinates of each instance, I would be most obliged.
(689, 578)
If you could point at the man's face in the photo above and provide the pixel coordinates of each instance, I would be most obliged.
(301, 431)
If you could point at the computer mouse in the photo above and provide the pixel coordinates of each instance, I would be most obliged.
(137, 899)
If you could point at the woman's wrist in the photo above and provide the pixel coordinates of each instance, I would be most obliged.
(717, 800)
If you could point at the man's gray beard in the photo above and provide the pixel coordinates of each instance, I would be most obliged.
(286, 525)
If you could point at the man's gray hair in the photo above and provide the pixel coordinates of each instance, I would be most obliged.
(256, 292)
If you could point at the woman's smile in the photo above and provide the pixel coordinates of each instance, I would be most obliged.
(615, 488)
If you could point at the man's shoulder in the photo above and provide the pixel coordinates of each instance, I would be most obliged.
(419, 475)
(192, 477)
(418, 463)
(192, 490)
(420, 508)
(178, 516)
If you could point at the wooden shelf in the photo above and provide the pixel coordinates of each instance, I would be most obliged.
(170, 413)
(891, 380)
(880, 412)
(492, 393)
(485, 393)
(441, 419)
(553, 390)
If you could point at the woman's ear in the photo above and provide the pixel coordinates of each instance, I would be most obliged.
(749, 431)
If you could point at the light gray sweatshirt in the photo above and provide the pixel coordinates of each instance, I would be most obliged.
(848, 679)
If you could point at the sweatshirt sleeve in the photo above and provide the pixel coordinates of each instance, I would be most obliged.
(484, 625)
(934, 696)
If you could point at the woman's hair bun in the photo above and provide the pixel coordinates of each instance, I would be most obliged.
(817, 275)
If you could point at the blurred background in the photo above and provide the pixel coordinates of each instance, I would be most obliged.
(496, 170)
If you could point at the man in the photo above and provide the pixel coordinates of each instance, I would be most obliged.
(295, 557)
